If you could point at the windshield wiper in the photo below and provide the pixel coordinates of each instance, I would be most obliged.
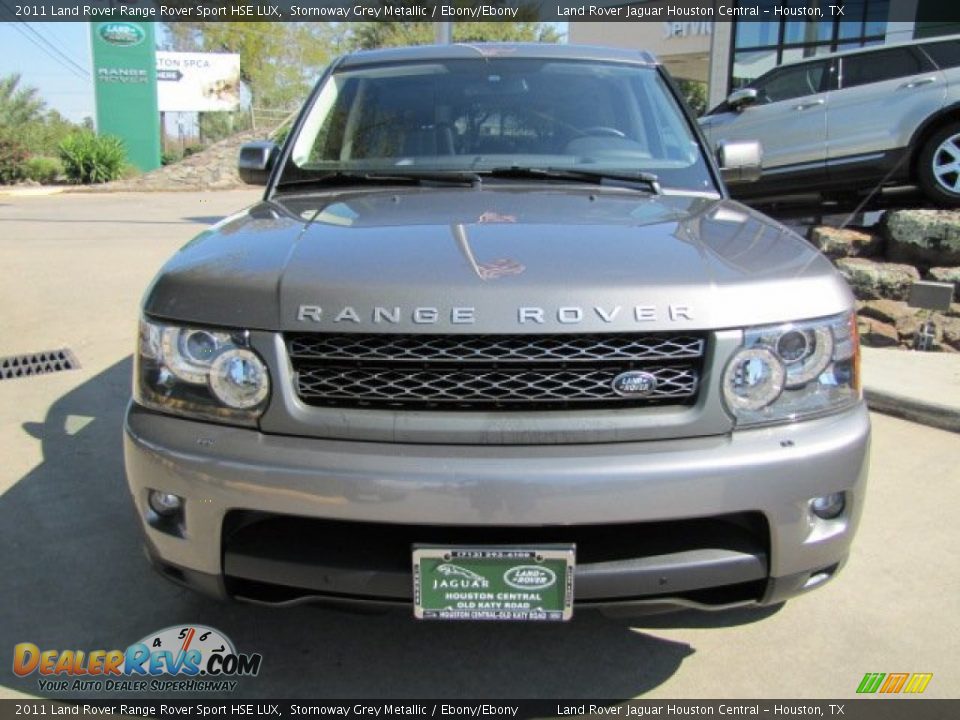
(334, 179)
(577, 175)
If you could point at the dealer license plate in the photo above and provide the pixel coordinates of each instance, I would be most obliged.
(493, 583)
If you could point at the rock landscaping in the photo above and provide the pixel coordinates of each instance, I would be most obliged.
(846, 242)
(212, 169)
(923, 237)
(871, 280)
(881, 264)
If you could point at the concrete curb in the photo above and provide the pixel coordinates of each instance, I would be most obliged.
(108, 188)
(923, 387)
(33, 191)
(925, 413)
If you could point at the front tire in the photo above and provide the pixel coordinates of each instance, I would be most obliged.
(938, 166)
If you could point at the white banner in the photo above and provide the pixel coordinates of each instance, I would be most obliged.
(198, 82)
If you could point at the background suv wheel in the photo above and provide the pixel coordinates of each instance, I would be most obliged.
(938, 167)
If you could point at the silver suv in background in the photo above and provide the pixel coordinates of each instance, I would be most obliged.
(850, 121)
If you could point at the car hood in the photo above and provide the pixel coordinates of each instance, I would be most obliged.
(512, 259)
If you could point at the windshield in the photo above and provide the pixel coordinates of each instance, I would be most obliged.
(484, 114)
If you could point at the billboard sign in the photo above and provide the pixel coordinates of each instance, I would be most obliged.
(198, 82)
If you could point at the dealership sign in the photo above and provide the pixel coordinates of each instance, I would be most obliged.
(125, 83)
(121, 33)
(198, 82)
(687, 29)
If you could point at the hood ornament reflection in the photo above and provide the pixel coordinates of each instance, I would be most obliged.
(486, 270)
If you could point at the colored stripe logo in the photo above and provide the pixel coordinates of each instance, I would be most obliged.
(891, 683)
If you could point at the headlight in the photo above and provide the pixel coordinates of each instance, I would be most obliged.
(788, 372)
(201, 373)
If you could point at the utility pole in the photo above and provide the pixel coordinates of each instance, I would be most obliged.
(443, 33)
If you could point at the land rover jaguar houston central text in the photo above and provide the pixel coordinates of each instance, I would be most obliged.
(496, 344)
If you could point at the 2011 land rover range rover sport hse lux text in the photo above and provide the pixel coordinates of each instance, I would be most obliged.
(496, 344)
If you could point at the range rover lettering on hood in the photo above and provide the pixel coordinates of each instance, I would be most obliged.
(460, 315)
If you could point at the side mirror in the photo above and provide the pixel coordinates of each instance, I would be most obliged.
(740, 161)
(256, 161)
(739, 99)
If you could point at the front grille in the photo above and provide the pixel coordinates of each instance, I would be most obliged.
(293, 556)
(372, 546)
(282, 558)
(495, 348)
(491, 371)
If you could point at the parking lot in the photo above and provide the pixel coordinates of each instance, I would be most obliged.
(73, 575)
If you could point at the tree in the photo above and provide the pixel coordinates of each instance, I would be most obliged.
(18, 105)
(279, 61)
(695, 93)
(369, 35)
(43, 135)
(216, 126)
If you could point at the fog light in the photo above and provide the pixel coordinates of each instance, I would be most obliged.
(828, 506)
(164, 504)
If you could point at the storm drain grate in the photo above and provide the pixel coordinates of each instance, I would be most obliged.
(41, 363)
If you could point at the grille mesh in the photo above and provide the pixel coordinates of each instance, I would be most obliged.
(491, 371)
(436, 386)
(496, 348)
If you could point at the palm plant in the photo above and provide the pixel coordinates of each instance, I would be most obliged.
(18, 105)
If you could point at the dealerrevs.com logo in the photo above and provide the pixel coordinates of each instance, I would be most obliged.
(181, 658)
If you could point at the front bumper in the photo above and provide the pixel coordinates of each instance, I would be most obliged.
(708, 522)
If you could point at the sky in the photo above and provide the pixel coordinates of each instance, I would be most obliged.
(46, 55)
(64, 87)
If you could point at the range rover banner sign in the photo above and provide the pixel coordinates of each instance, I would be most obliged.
(125, 82)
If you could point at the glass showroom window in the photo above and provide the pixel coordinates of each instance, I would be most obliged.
(760, 46)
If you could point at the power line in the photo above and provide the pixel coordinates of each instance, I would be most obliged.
(53, 57)
(57, 50)
(53, 46)
(47, 47)
(47, 52)
(55, 35)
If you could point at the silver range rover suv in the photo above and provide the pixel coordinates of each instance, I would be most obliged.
(849, 123)
(496, 344)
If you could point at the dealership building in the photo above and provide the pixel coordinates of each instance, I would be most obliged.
(727, 52)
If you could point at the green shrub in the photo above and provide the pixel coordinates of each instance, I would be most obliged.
(279, 136)
(130, 171)
(695, 93)
(89, 158)
(13, 155)
(43, 136)
(42, 169)
(169, 157)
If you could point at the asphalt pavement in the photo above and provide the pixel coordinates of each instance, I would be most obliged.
(74, 268)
